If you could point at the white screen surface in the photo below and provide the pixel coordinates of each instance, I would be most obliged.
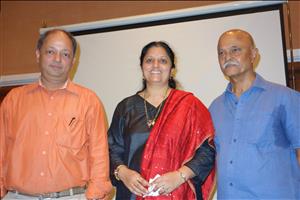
(109, 61)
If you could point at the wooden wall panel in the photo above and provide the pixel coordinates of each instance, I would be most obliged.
(21, 20)
(1, 38)
(294, 7)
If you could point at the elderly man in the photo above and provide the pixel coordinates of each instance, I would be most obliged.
(257, 128)
(53, 133)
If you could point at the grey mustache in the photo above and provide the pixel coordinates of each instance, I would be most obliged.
(230, 62)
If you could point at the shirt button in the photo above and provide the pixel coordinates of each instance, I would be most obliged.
(42, 174)
(234, 140)
(231, 162)
(230, 184)
(44, 152)
(49, 114)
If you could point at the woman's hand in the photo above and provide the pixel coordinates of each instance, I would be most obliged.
(133, 181)
(172, 180)
(168, 182)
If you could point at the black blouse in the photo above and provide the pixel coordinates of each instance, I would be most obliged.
(127, 137)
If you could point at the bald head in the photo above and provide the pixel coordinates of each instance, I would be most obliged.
(238, 34)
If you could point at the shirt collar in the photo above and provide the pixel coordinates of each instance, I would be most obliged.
(63, 87)
(259, 83)
(68, 86)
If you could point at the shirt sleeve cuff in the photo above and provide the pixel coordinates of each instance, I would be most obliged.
(3, 192)
(98, 191)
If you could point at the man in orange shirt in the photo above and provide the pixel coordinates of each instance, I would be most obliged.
(53, 133)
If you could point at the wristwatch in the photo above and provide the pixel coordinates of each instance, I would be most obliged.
(116, 172)
(182, 176)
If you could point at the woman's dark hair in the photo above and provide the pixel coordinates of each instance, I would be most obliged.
(43, 37)
(165, 46)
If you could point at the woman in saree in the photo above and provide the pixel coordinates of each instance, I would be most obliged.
(160, 139)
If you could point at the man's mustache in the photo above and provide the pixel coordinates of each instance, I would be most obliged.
(230, 62)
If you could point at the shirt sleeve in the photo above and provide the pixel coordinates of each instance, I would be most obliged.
(3, 190)
(291, 117)
(116, 142)
(99, 184)
(202, 162)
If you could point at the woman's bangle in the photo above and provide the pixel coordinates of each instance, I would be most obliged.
(116, 172)
(182, 176)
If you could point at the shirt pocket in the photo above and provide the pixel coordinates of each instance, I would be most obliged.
(263, 132)
(71, 132)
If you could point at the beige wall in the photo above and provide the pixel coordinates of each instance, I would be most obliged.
(21, 21)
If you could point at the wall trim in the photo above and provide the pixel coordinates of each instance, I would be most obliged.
(18, 79)
(296, 54)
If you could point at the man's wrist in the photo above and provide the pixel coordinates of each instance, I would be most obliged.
(102, 198)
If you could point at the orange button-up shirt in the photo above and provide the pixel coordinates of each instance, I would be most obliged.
(53, 140)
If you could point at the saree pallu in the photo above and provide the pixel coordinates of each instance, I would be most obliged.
(183, 125)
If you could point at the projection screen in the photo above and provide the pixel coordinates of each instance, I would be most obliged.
(110, 50)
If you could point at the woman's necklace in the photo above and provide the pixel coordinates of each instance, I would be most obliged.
(151, 122)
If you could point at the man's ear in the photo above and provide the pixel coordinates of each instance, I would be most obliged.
(73, 61)
(254, 54)
(37, 55)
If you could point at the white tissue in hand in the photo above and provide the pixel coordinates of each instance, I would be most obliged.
(151, 187)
